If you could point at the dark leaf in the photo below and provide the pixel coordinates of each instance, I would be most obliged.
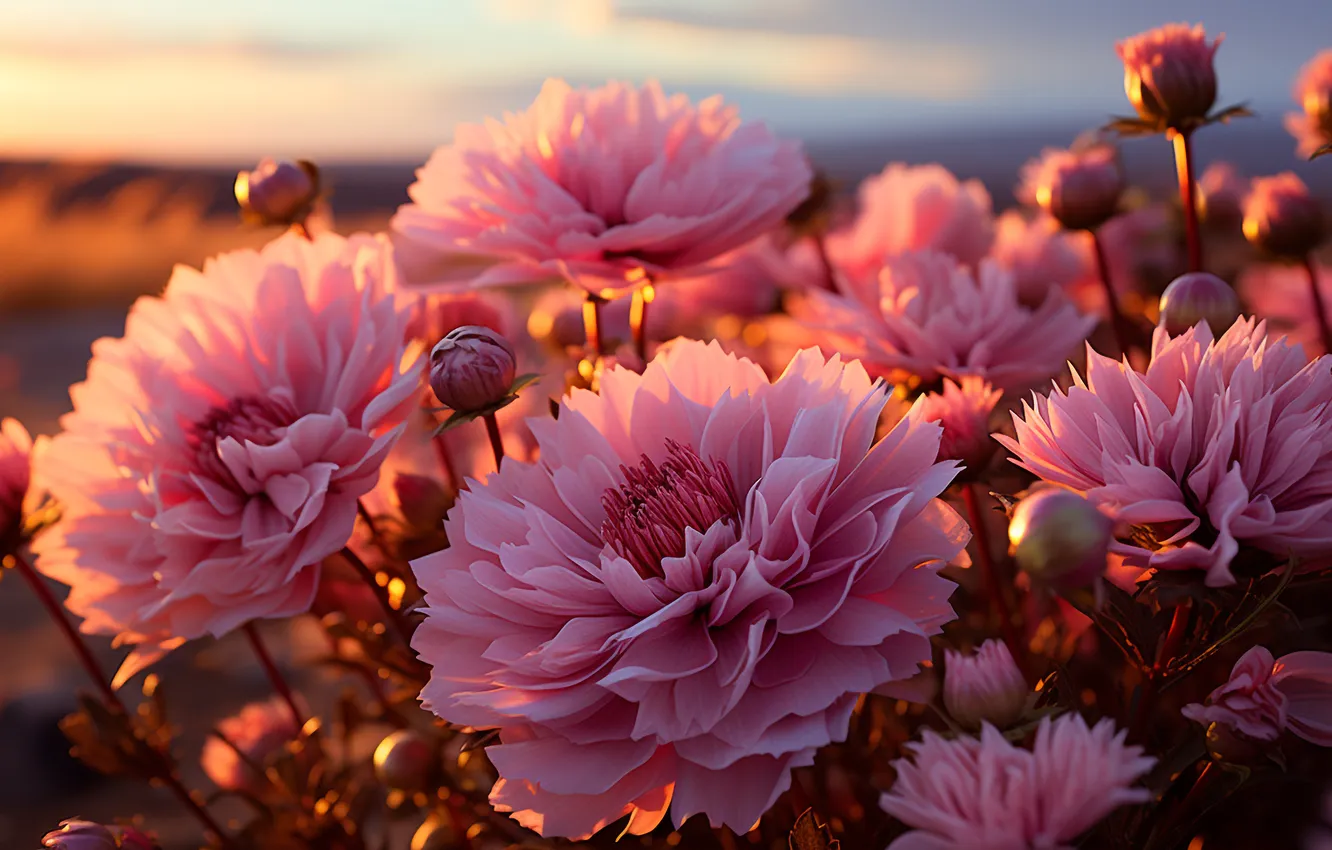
(1239, 110)
(523, 381)
(1325, 149)
(809, 834)
(1131, 127)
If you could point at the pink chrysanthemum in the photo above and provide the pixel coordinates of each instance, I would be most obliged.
(963, 408)
(681, 601)
(926, 315)
(1040, 255)
(1219, 443)
(216, 452)
(1279, 294)
(1312, 126)
(914, 208)
(1265, 696)
(593, 185)
(987, 794)
(15, 451)
(252, 737)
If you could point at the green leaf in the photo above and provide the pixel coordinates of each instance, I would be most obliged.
(459, 417)
(523, 381)
(809, 834)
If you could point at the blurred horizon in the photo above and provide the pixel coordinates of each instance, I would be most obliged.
(151, 81)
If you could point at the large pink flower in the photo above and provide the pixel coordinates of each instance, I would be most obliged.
(908, 208)
(1219, 443)
(216, 452)
(593, 185)
(253, 736)
(926, 315)
(1312, 126)
(1040, 255)
(1264, 697)
(987, 794)
(15, 451)
(681, 601)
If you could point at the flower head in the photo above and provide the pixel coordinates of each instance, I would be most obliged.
(926, 315)
(76, 834)
(1312, 126)
(1264, 697)
(278, 191)
(15, 463)
(987, 794)
(984, 687)
(1060, 538)
(1282, 218)
(963, 408)
(1040, 255)
(594, 185)
(260, 730)
(472, 368)
(1198, 297)
(1079, 188)
(907, 208)
(216, 452)
(1169, 76)
(1221, 193)
(1221, 442)
(682, 600)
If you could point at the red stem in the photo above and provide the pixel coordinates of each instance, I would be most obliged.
(990, 578)
(1117, 321)
(274, 674)
(1188, 196)
(1320, 309)
(1179, 626)
(112, 700)
(496, 441)
(381, 594)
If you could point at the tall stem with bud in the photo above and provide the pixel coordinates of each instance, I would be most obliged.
(1188, 196)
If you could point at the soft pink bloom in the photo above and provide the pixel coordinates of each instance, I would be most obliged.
(1264, 697)
(1039, 253)
(963, 408)
(984, 687)
(591, 185)
(1220, 443)
(909, 208)
(926, 315)
(1221, 193)
(15, 463)
(1282, 217)
(683, 599)
(1168, 74)
(260, 730)
(1280, 295)
(216, 452)
(1079, 187)
(987, 794)
(1312, 127)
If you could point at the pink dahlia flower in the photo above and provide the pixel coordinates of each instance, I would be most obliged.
(1219, 443)
(1040, 255)
(1264, 697)
(593, 185)
(1312, 127)
(681, 601)
(987, 794)
(963, 408)
(15, 452)
(926, 315)
(914, 208)
(985, 687)
(259, 731)
(216, 452)
(1169, 75)
(1280, 295)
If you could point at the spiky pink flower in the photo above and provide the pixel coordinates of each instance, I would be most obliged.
(1280, 295)
(1265, 697)
(926, 315)
(987, 794)
(1040, 255)
(681, 601)
(986, 686)
(1220, 443)
(1312, 126)
(216, 452)
(15, 463)
(1169, 76)
(591, 185)
(963, 408)
(253, 735)
(907, 208)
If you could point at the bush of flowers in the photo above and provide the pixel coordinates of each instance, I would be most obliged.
(647, 488)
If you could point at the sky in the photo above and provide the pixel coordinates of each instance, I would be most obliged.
(199, 81)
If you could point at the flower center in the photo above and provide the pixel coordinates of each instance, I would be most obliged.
(646, 517)
(257, 419)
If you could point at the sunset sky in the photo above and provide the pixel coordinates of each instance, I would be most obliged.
(184, 80)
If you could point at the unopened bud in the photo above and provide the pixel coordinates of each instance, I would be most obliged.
(435, 833)
(1196, 297)
(278, 191)
(1169, 75)
(406, 761)
(472, 368)
(1060, 538)
(1282, 218)
(987, 686)
(1079, 188)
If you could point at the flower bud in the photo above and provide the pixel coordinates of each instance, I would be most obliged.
(278, 192)
(258, 731)
(1060, 538)
(406, 761)
(472, 368)
(1282, 218)
(963, 409)
(986, 686)
(435, 833)
(1079, 188)
(1221, 193)
(422, 500)
(1312, 127)
(1169, 76)
(1196, 297)
(15, 451)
